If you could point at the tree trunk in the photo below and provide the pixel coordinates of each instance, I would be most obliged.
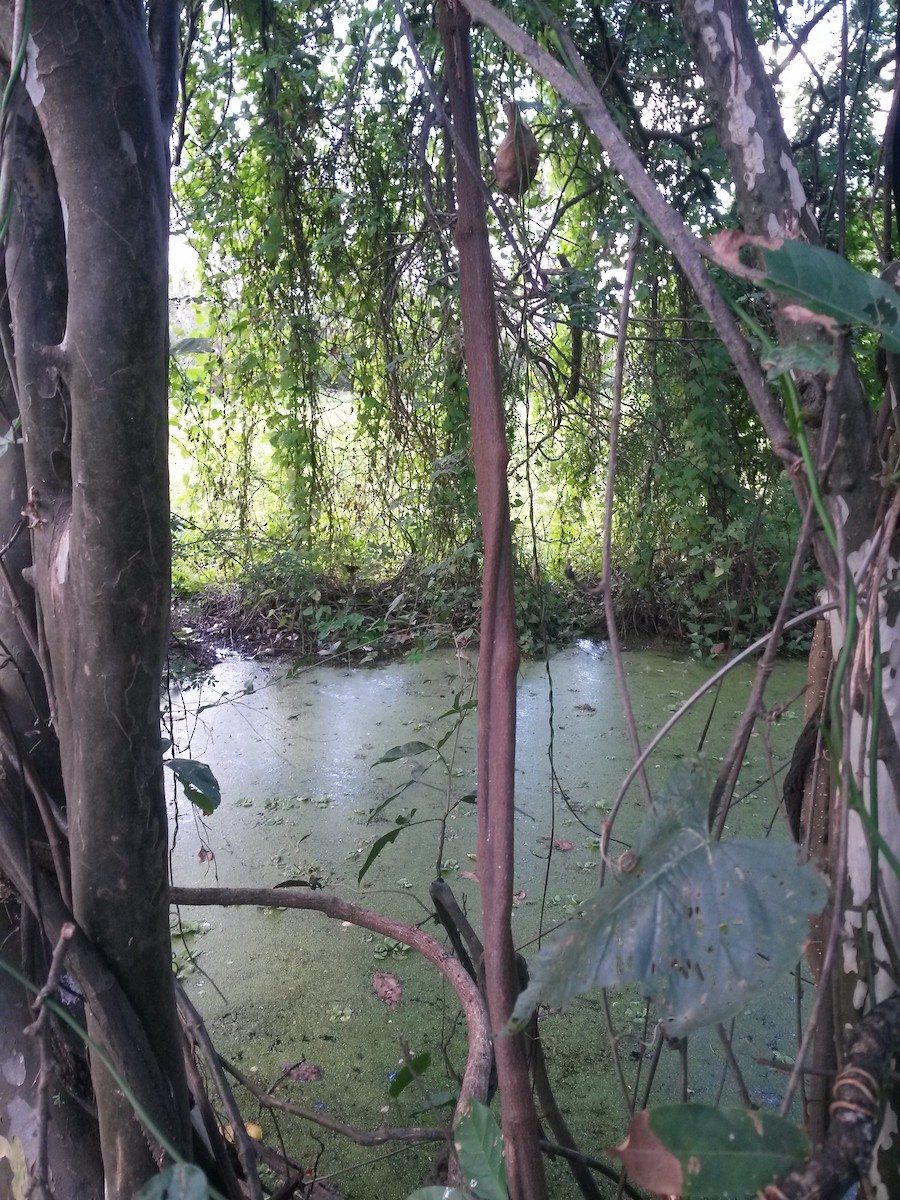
(87, 267)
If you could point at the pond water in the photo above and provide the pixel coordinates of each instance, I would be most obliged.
(297, 757)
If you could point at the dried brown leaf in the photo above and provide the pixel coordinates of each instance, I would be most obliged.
(647, 1160)
(304, 1072)
(387, 988)
(518, 156)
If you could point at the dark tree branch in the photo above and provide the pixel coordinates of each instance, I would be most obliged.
(41, 1183)
(855, 1112)
(119, 1027)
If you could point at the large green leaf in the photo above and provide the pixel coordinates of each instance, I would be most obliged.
(828, 284)
(181, 1182)
(479, 1145)
(695, 1150)
(200, 785)
(414, 1069)
(386, 839)
(701, 925)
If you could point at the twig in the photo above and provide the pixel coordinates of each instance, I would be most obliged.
(784, 1067)
(581, 92)
(221, 1163)
(463, 937)
(246, 1151)
(720, 800)
(551, 1114)
(811, 614)
(557, 1151)
(613, 1037)
(743, 1091)
(362, 1137)
(40, 1184)
(459, 147)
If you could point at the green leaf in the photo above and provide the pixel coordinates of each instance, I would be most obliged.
(408, 1072)
(407, 750)
(385, 840)
(442, 741)
(702, 925)
(200, 785)
(181, 1182)
(384, 803)
(479, 1145)
(828, 284)
(458, 707)
(696, 1150)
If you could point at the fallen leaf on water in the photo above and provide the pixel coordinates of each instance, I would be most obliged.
(468, 875)
(518, 895)
(387, 988)
(304, 1072)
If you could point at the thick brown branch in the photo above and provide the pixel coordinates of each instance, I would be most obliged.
(475, 1078)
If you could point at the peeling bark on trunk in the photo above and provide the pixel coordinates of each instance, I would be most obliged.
(841, 433)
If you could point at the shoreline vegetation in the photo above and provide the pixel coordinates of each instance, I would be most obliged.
(280, 605)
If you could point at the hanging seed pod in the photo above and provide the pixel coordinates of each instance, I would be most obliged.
(518, 156)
